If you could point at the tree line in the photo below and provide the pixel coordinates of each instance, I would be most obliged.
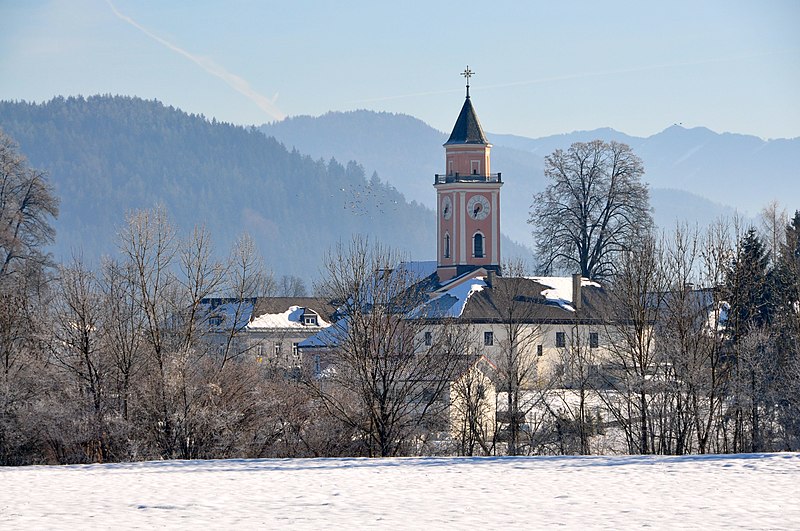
(116, 362)
(707, 355)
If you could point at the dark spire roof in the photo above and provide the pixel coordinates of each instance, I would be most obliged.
(468, 128)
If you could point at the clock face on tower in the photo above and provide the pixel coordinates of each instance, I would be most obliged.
(447, 207)
(478, 207)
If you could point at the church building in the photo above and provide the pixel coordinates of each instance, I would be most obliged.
(535, 326)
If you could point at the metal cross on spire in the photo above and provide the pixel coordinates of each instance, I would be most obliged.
(468, 74)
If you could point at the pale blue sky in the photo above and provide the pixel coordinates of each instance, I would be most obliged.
(541, 67)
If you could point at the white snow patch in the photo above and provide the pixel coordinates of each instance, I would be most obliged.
(459, 295)
(560, 289)
(291, 318)
(752, 491)
(717, 319)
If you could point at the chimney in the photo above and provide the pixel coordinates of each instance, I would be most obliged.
(577, 296)
(490, 278)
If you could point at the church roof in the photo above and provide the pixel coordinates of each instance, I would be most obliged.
(468, 128)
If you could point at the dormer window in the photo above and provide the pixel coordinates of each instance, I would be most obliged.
(215, 321)
(310, 320)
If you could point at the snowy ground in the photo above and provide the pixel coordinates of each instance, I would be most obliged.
(745, 491)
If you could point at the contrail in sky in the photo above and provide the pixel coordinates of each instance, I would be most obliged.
(237, 83)
(582, 75)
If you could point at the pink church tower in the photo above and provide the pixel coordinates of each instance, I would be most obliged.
(468, 198)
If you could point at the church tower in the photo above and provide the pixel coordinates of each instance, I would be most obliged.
(468, 199)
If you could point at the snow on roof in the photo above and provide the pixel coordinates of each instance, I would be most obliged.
(328, 337)
(228, 311)
(560, 289)
(291, 318)
(451, 303)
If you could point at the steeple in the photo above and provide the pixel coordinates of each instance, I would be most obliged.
(468, 197)
(468, 128)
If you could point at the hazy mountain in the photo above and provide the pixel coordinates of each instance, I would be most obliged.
(695, 175)
(108, 155)
(407, 153)
(402, 149)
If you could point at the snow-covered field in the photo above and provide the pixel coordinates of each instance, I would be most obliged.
(710, 492)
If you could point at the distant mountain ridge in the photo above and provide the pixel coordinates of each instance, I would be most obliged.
(108, 155)
(695, 175)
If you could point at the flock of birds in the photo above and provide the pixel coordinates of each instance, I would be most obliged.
(364, 200)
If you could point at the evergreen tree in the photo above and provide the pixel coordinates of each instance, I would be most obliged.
(748, 287)
(787, 268)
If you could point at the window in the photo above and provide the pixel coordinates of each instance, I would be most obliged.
(450, 167)
(447, 246)
(428, 339)
(215, 321)
(560, 339)
(260, 353)
(488, 339)
(475, 167)
(539, 350)
(310, 320)
(277, 348)
(296, 350)
(594, 340)
(477, 245)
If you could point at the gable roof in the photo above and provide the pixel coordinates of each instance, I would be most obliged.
(467, 129)
(279, 304)
(533, 300)
(449, 299)
(272, 312)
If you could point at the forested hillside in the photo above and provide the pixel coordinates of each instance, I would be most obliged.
(108, 155)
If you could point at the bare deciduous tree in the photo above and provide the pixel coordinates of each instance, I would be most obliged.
(291, 286)
(773, 227)
(27, 206)
(382, 380)
(516, 360)
(595, 207)
(246, 279)
(638, 291)
(473, 404)
(123, 330)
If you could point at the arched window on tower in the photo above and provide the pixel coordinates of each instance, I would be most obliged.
(447, 245)
(477, 245)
